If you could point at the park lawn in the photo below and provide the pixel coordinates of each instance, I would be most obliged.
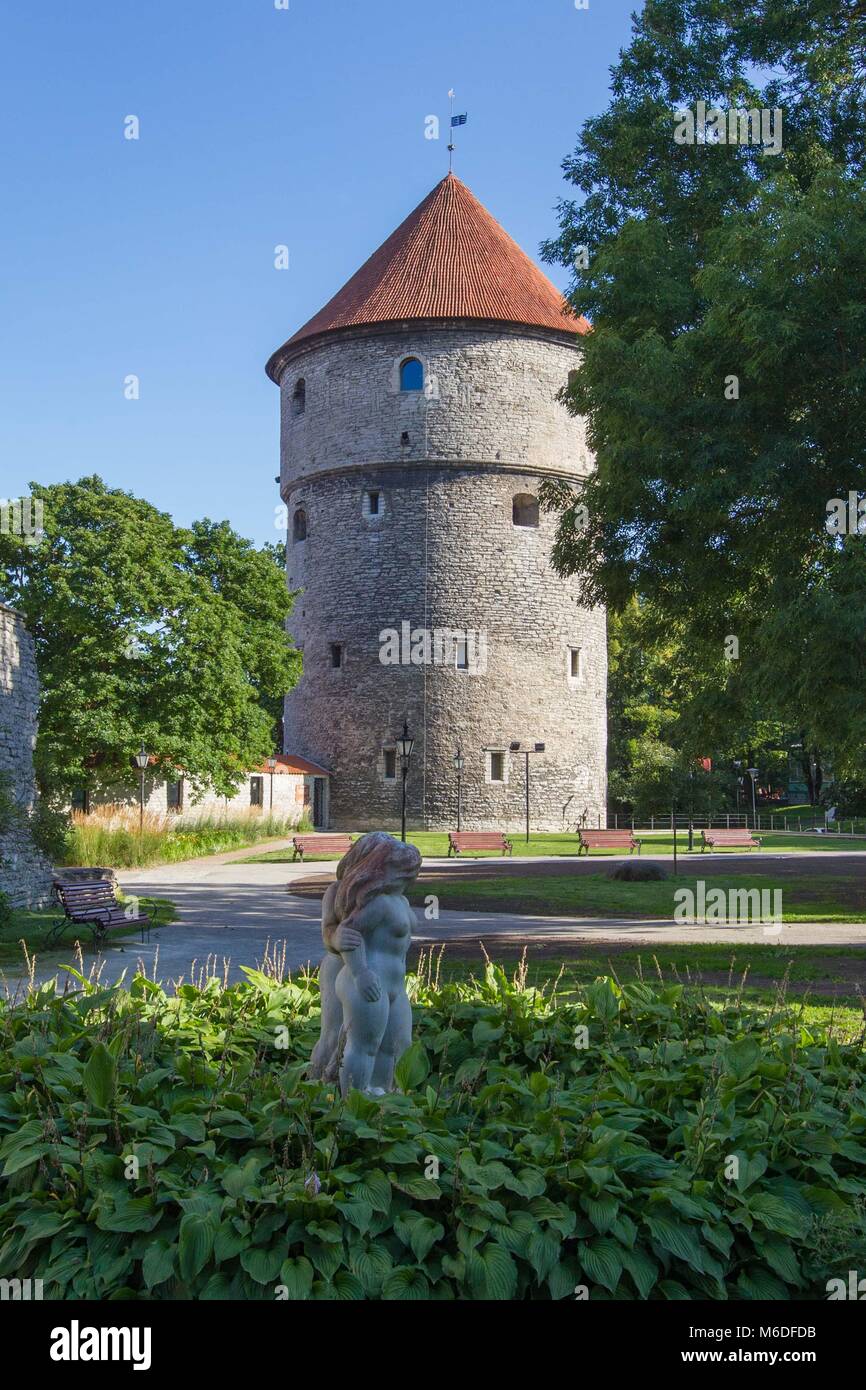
(596, 895)
(812, 965)
(777, 840)
(434, 845)
(34, 928)
(807, 968)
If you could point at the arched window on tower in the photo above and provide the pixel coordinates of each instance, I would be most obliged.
(299, 525)
(299, 398)
(411, 375)
(524, 509)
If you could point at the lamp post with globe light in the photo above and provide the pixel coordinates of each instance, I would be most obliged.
(405, 744)
(141, 761)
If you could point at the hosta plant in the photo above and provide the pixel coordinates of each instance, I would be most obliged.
(630, 1142)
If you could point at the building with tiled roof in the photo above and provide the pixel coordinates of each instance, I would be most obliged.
(420, 411)
(449, 260)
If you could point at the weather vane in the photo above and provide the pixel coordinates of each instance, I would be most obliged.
(455, 122)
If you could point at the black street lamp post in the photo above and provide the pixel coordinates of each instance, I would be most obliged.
(272, 764)
(141, 760)
(404, 748)
(518, 748)
(458, 767)
(674, 818)
(691, 809)
(753, 773)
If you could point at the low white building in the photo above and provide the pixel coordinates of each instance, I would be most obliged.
(293, 787)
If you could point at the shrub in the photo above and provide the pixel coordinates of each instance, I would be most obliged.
(5, 913)
(51, 832)
(49, 829)
(638, 871)
(849, 798)
(520, 1164)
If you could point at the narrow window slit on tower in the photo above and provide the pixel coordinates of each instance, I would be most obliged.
(336, 655)
(299, 525)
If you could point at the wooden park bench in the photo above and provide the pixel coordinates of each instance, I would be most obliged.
(320, 844)
(607, 839)
(477, 839)
(729, 839)
(97, 906)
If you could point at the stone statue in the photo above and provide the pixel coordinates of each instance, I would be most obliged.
(366, 927)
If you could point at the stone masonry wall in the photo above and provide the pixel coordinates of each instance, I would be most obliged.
(494, 399)
(25, 876)
(442, 552)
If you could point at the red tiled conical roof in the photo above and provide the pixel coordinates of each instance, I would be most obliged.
(449, 259)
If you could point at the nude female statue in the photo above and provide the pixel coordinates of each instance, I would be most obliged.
(366, 927)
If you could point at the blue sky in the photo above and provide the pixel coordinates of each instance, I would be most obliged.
(258, 127)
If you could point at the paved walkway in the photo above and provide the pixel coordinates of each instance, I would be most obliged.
(231, 914)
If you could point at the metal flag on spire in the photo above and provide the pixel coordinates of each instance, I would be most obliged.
(455, 122)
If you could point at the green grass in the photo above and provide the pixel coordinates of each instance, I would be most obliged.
(34, 928)
(811, 965)
(814, 815)
(777, 841)
(595, 895)
(434, 845)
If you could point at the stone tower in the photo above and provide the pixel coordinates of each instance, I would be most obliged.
(419, 414)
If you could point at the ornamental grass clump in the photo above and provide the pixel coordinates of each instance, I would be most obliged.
(630, 1142)
(118, 836)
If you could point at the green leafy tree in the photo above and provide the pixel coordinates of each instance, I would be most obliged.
(668, 719)
(723, 377)
(148, 633)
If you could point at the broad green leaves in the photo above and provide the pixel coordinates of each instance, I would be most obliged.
(100, 1077)
(526, 1182)
(195, 1245)
(412, 1068)
(297, 1276)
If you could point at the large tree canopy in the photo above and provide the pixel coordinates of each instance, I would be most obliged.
(148, 633)
(723, 380)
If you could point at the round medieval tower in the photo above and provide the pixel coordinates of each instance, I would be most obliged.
(419, 414)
